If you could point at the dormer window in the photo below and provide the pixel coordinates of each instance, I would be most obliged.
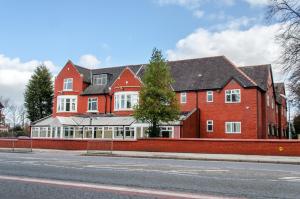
(100, 79)
(68, 84)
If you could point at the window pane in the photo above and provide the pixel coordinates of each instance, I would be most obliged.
(228, 127)
(123, 101)
(228, 98)
(128, 102)
(67, 104)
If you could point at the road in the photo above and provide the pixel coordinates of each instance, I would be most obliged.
(58, 174)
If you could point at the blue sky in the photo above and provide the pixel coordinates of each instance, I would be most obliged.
(122, 32)
(109, 33)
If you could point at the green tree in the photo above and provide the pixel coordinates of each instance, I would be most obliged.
(39, 94)
(157, 99)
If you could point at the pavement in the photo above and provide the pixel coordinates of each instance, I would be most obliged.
(181, 156)
(67, 174)
(200, 156)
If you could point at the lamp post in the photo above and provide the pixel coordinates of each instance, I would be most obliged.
(289, 109)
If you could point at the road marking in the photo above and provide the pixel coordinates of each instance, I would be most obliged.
(290, 179)
(120, 189)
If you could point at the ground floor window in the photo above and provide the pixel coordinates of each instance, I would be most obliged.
(98, 132)
(35, 132)
(43, 132)
(166, 131)
(88, 132)
(68, 132)
(233, 127)
(209, 125)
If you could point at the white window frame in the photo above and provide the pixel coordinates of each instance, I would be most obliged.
(61, 103)
(183, 98)
(230, 131)
(272, 103)
(101, 79)
(209, 122)
(121, 100)
(268, 100)
(231, 93)
(209, 93)
(92, 100)
(68, 81)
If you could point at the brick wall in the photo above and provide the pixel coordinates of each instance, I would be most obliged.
(216, 146)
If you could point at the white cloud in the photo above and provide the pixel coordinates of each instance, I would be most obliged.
(198, 13)
(258, 2)
(14, 75)
(89, 60)
(192, 5)
(255, 45)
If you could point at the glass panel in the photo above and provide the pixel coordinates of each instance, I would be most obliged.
(98, 132)
(67, 104)
(123, 101)
(88, 132)
(128, 102)
(228, 127)
(78, 132)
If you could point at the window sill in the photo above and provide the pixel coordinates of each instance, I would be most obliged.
(92, 111)
(233, 133)
(123, 110)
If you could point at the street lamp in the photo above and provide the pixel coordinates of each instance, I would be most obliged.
(289, 107)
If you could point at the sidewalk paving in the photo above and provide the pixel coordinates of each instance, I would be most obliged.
(182, 156)
(200, 156)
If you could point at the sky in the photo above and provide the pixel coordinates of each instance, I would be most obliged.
(98, 34)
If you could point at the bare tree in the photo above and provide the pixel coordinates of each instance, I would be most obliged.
(14, 114)
(287, 12)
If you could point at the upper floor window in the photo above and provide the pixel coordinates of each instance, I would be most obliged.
(125, 100)
(68, 84)
(183, 98)
(272, 103)
(233, 96)
(209, 125)
(67, 103)
(209, 96)
(92, 104)
(233, 127)
(100, 79)
(268, 100)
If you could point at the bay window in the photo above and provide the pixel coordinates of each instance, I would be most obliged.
(67, 103)
(125, 100)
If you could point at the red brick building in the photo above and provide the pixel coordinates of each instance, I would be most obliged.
(217, 100)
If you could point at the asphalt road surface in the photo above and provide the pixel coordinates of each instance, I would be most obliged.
(68, 175)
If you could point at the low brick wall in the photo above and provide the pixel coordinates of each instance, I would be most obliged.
(217, 146)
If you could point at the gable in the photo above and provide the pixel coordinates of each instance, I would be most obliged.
(127, 80)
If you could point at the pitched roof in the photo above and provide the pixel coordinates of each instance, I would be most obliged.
(207, 73)
(85, 72)
(259, 73)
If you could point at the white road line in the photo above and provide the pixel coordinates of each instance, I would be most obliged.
(152, 192)
(291, 179)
